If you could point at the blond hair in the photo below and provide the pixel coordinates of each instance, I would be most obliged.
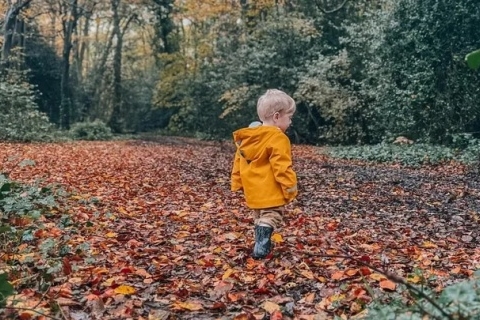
(274, 101)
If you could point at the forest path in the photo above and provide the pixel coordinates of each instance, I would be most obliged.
(168, 240)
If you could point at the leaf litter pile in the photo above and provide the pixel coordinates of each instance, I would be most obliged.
(167, 239)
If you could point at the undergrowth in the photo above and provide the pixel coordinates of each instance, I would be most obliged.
(409, 155)
(457, 301)
(35, 240)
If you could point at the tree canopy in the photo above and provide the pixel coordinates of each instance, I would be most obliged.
(360, 71)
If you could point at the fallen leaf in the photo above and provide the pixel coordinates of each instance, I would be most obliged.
(227, 274)
(270, 307)
(456, 270)
(192, 306)
(414, 279)
(309, 298)
(220, 289)
(277, 238)
(365, 271)
(387, 284)
(351, 272)
(377, 276)
(429, 244)
(66, 302)
(218, 306)
(337, 275)
(158, 315)
(245, 316)
(125, 290)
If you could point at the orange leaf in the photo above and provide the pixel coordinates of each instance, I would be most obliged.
(377, 276)
(351, 272)
(271, 307)
(429, 244)
(277, 238)
(227, 274)
(125, 290)
(234, 297)
(387, 284)
(456, 270)
(192, 306)
(337, 275)
(245, 316)
(331, 226)
(310, 297)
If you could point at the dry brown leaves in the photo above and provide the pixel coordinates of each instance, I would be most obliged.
(170, 241)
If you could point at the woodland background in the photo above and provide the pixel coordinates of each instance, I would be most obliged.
(362, 72)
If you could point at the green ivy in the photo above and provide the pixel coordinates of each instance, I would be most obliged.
(23, 210)
(409, 155)
(6, 289)
(457, 301)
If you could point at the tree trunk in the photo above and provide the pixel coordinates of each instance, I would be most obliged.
(82, 47)
(8, 30)
(116, 117)
(116, 121)
(9, 25)
(164, 27)
(69, 26)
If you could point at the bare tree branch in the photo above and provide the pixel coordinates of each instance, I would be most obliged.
(332, 10)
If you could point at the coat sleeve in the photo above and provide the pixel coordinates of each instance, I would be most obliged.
(236, 180)
(281, 162)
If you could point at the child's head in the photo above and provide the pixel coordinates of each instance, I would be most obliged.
(276, 108)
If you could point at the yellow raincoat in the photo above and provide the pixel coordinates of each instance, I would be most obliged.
(263, 167)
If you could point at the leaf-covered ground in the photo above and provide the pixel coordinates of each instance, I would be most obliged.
(168, 240)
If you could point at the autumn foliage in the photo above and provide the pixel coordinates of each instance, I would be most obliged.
(150, 230)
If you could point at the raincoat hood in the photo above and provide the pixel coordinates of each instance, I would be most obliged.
(253, 141)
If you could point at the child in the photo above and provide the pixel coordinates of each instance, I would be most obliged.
(262, 167)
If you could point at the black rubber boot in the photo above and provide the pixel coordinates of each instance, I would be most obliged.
(263, 244)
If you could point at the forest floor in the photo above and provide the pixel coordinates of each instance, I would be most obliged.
(167, 239)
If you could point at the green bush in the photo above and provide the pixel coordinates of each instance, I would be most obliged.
(91, 130)
(325, 92)
(423, 87)
(19, 116)
(458, 301)
(410, 155)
